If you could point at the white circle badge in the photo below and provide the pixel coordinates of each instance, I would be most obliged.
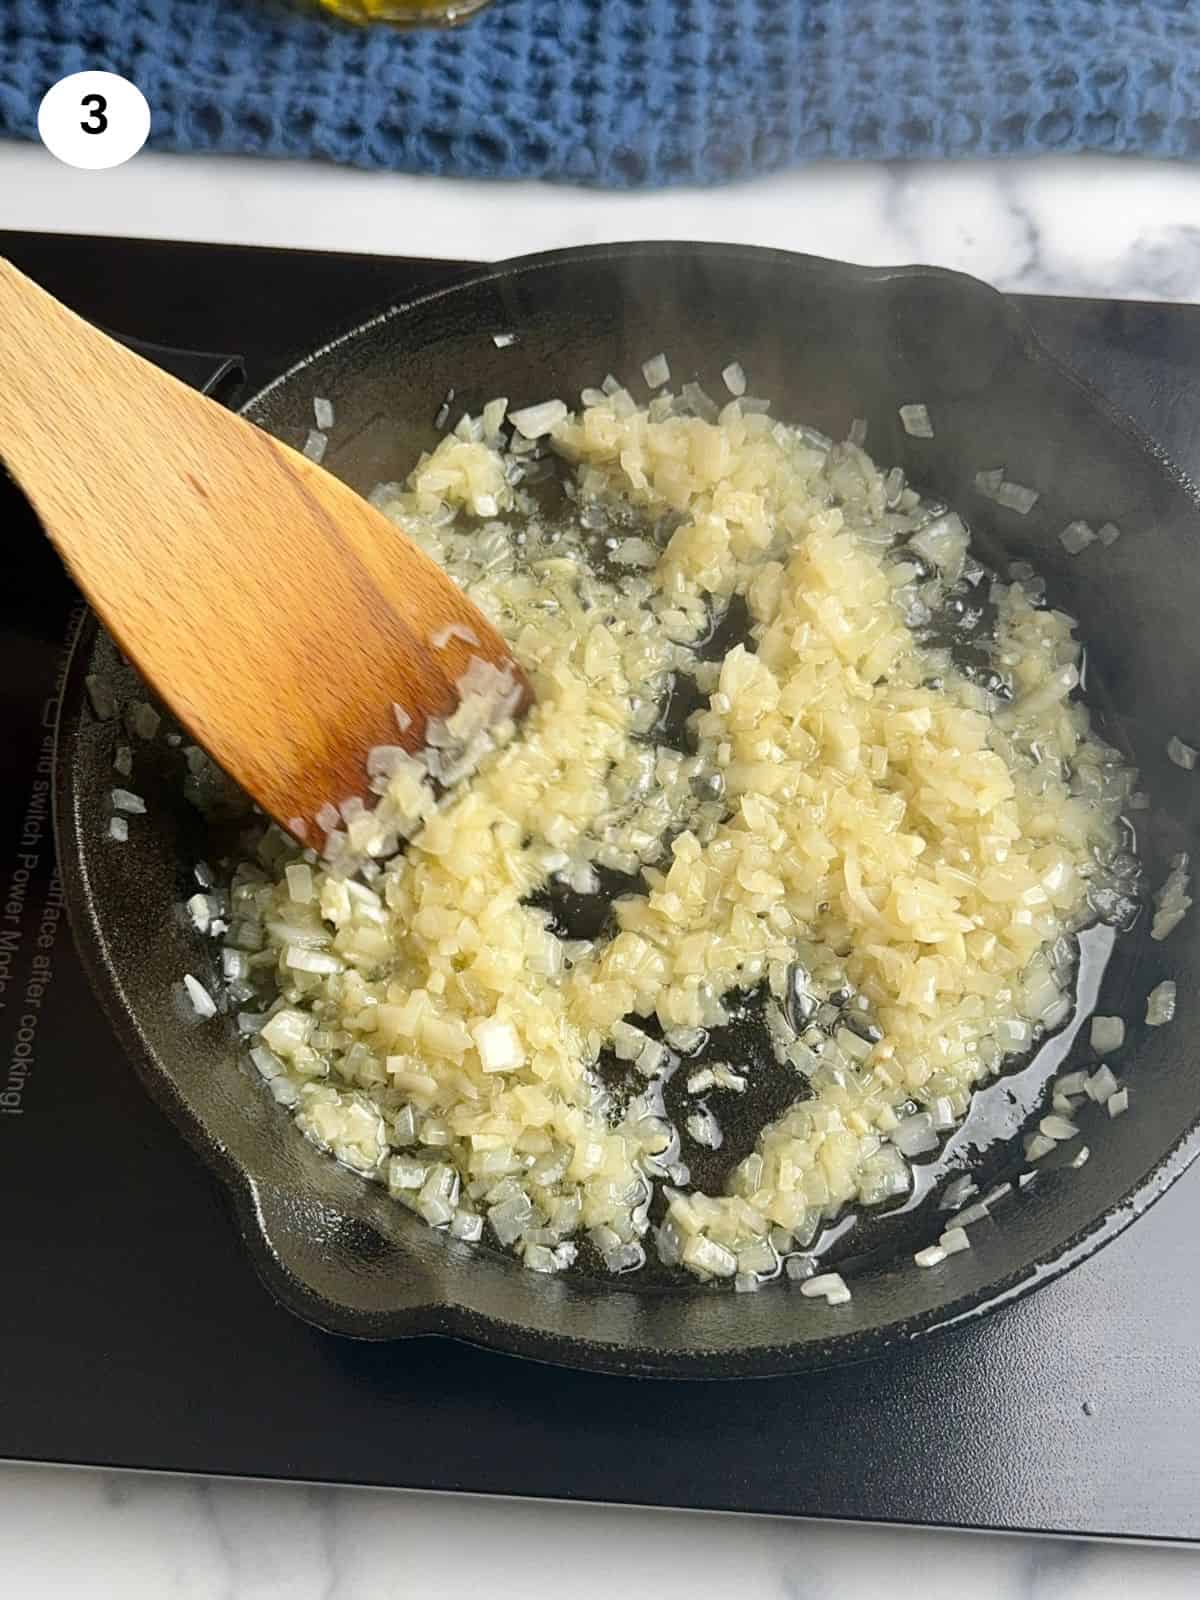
(94, 120)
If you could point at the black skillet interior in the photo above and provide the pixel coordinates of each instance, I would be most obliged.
(826, 343)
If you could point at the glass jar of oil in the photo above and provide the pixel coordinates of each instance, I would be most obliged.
(442, 13)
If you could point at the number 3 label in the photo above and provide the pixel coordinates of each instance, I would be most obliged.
(94, 120)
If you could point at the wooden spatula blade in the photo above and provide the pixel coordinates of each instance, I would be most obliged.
(277, 613)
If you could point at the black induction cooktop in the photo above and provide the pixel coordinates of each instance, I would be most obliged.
(133, 1332)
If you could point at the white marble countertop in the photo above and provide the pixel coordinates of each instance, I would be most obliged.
(1077, 226)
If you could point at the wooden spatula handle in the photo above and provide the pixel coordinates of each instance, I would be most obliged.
(276, 611)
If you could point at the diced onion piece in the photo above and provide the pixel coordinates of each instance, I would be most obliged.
(1058, 1129)
(118, 829)
(1101, 1084)
(1160, 1004)
(931, 1256)
(1076, 537)
(954, 1240)
(943, 542)
(1071, 1083)
(705, 1129)
(1108, 533)
(1183, 755)
(498, 1044)
(1118, 1103)
(300, 959)
(1172, 901)
(1016, 497)
(915, 1135)
(123, 800)
(315, 445)
(100, 693)
(323, 413)
(829, 1286)
(708, 1258)
(1108, 1034)
(734, 378)
(503, 340)
(203, 1003)
(300, 883)
(534, 422)
(915, 421)
(656, 371)
(200, 911)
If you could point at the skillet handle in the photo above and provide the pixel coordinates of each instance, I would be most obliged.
(220, 376)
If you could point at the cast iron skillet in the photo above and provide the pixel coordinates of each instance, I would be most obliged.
(827, 343)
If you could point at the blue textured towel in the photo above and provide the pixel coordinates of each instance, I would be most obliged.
(632, 93)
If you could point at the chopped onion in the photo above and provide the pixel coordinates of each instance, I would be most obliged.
(300, 959)
(954, 1240)
(1075, 537)
(1172, 901)
(510, 1218)
(914, 1135)
(1082, 1158)
(989, 482)
(203, 1003)
(830, 1286)
(466, 1225)
(1101, 1085)
(123, 800)
(503, 340)
(1016, 497)
(118, 829)
(1183, 755)
(956, 1192)
(200, 911)
(300, 883)
(534, 422)
(656, 371)
(931, 1256)
(100, 693)
(708, 1258)
(916, 423)
(499, 1047)
(323, 413)
(699, 403)
(1108, 533)
(441, 637)
(734, 378)
(314, 445)
(1108, 1034)
(144, 720)
(943, 542)
(1118, 1103)
(1038, 1145)
(1071, 1083)
(1058, 1129)
(1160, 1004)
(705, 1129)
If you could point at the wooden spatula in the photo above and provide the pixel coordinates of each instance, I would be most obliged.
(277, 613)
